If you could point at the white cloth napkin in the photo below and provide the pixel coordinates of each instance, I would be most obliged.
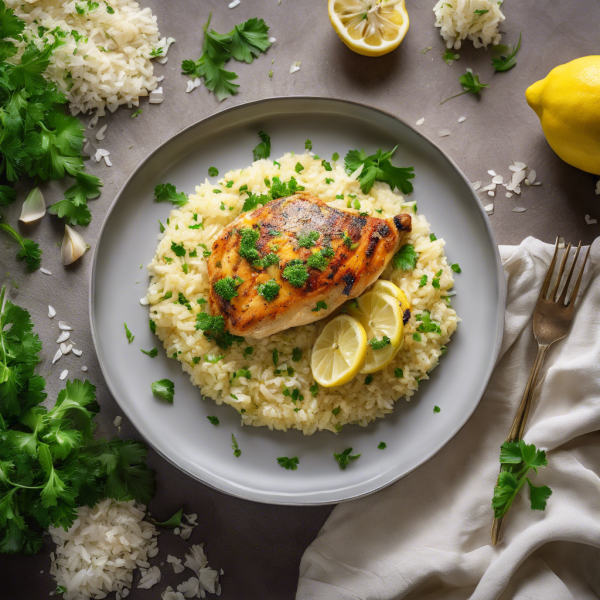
(427, 537)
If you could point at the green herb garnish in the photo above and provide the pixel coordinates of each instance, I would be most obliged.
(268, 290)
(226, 287)
(164, 389)
(320, 305)
(262, 150)
(382, 445)
(406, 258)
(130, 336)
(470, 83)
(168, 192)
(151, 353)
(291, 464)
(379, 344)
(236, 449)
(505, 63)
(296, 272)
(213, 420)
(214, 329)
(174, 521)
(29, 251)
(345, 458)
(307, 240)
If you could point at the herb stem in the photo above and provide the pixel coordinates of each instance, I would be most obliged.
(455, 96)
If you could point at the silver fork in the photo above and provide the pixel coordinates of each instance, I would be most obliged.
(552, 320)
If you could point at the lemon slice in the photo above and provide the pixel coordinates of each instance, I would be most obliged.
(380, 315)
(387, 287)
(369, 27)
(339, 352)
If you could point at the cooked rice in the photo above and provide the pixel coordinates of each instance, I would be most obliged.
(261, 396)
(458, 19)
(101, 550)
(109, 64)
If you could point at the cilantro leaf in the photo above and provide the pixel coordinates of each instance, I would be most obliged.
(253, 200)
(406, 258)
(164, 389)
(262, 150)
(168, 192)
(505, 63)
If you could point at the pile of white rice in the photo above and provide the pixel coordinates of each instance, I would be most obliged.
(101, 550)
(260, 399)
(105, 59)
(458, 20)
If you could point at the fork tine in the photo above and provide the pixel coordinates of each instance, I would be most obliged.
(561, 269)
(563, 296)
(550, 271)
(573, 295)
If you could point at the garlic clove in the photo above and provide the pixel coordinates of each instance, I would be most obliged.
(72, 247)
(34, 207)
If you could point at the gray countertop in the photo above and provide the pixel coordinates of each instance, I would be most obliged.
(259, 546)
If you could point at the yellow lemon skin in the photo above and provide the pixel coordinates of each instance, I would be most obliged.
(567, 103)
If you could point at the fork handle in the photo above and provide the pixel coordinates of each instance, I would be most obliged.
(518, 426)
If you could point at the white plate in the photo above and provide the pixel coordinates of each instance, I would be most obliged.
(180, 432)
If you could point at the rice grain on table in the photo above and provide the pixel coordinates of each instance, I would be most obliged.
(261, 396)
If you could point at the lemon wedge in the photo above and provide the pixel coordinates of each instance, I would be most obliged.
(369, 27)
(339, 352)
(381, 317)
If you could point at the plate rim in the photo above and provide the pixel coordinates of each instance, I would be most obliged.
(501, 280)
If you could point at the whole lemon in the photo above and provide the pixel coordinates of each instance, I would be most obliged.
(567, 103)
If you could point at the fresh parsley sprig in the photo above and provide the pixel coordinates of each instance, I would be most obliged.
(49, 461)
(29, 251)
(378, 167)
(243, 43)
(37, 139)
(471, 85)
(517, 459)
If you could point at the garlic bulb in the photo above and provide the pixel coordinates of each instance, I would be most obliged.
(72, 247)
(34, 207)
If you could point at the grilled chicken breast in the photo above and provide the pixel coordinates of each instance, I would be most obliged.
(312, 258)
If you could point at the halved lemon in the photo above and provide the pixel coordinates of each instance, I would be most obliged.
(339, 352)
(369, 27)
(381, 317)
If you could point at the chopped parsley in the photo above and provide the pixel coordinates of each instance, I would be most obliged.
(110, 10)
(178, 249)
(226, 287)
(335, 156)
(222, 205)
(416, 337)
(234, 445)
(308, 145)
(164, 389)
(213, 420)
(328, 180)
(436, 409)
(378, 167)
(218, 192)
(450, 56)
(456, 268)
(248, 351)
(213, 172)
(151, 353)
(345, 458)
(269, 290)
(135, 113)
(213, 359)
(320, 305)
(168, 192)
(262, 150)
(130, 336)
(480, 12)
(398, 373)
(432, 237)
(296, 272)
(185, 267)
(291, 464)
(276, 357)
(298, 168)
(167, 296)
(380, 344)
(314, 389)
(152, 325)
(436, 280)
(406, 258)
(266, 261)
(214, 330)
(307, 240)
(229, 184)
(346, 240)
(326, 165)
(248, 244)
(382, 445)
(423, 281)
(336, 411)
(296, 354)
(427, 325)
